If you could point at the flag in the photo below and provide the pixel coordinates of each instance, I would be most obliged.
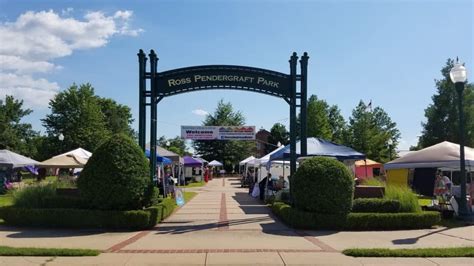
(369, 106)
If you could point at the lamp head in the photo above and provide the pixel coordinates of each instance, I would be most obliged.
(390, 142)
(61, 137)
(458, 73)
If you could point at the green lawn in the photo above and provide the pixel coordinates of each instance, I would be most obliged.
(417, 252)
(194, 184)
(189, 195)
(53, 252)
(424, 202)
(6, 200)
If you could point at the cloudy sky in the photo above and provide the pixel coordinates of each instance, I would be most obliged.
(388, 52)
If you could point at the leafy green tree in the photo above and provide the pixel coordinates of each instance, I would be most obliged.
(229, 152)
(338, 125)
(442, 116)
(278, 133)
(15, 135)
(118, 117)
(176, 145)
(369, 132)
(318, 120)
(76, 113)
(84, 119)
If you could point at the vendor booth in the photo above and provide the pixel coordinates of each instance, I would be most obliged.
(11, 162)
(321, 147)
(418, 167)
(193, 169)
(368, 168)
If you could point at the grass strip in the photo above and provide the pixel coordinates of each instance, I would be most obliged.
(47, 252)
(188, 195)
(6, 200)
(194, 184)
(416, 252)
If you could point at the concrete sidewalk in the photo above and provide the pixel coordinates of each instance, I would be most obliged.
(223, 225)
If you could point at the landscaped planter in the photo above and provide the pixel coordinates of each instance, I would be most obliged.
(369, 192)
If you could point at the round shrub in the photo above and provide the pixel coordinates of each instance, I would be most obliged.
(116, 177)
(323, 185)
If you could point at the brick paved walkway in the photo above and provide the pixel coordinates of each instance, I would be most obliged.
(222, 218)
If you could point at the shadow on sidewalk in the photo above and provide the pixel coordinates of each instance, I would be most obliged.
(22, 232)
(413, 240)
(268, 228)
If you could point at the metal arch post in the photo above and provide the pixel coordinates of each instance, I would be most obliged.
(293, 62)
(153, 117)
(142, 99)
(303, 103)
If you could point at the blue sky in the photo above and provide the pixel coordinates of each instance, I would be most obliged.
(389, 52)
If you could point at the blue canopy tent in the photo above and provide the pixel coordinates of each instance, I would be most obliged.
(320, 147)
(159, 159)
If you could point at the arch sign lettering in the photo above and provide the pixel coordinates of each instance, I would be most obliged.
(228, 77)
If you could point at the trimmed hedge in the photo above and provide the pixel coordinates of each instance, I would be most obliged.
(375, 205)
(116, 177)
(354, 221)
(69, 217)
(75, 218)
(64, 202)
(160, 211)
(322, 185)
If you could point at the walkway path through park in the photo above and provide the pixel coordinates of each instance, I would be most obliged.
(223, 225)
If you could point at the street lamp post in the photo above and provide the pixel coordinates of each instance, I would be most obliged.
(390, 145)
(458, 76)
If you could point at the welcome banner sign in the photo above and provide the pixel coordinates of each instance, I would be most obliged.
(218, 132)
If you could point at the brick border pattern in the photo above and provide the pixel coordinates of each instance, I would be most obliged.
(248, 250)
(127, 242)
(223, 223)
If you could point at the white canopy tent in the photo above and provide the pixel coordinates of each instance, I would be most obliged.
(244, 161)
(215, 164)
(444, 155)
(79, 152)
(15, 160)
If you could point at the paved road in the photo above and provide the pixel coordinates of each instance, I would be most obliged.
(223, 225)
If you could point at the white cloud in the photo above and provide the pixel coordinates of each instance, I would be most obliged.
(200, 112)
(35, 92)
(20, 65)
(30, 43)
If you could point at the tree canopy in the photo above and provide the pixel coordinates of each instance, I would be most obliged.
(369, 132)
(14, 135)
(176, 145)
(442, 115)
(229, 152)
(278, 133)
(84, 119)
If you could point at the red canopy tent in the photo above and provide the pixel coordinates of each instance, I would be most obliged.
(365, 168)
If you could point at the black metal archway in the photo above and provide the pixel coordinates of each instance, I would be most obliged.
(182, 80)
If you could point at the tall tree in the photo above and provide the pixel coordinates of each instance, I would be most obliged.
(442, 116)
(370, 131)
(176, 145)
(338, 125)
(230, 152)
(318, 120)
(278, 133)
(84, 119)
(15, 135)
(118, 117)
